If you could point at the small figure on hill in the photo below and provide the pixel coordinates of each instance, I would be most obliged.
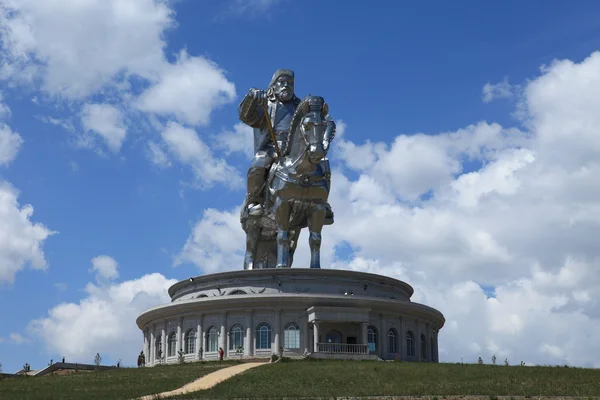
(221, 352)
(480, 361)
(140, 361)
(63, 360)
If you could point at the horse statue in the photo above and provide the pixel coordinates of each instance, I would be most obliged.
(296, 192)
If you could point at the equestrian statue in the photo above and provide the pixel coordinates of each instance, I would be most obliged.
(289, 177)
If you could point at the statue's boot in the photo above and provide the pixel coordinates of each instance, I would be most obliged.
(256, 181)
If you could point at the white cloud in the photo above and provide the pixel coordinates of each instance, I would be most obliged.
(21, 240)
(10, 144)
(216, 242)
(103, 321)
(238, 140)
(106, 268)
(17, 338)
(523, 219)
(157, 155)
(252, 7)
(185, 145)
(190, 90)
(501, 90)
(107, 121)
(76, 50)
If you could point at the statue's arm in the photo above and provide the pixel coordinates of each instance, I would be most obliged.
(250, 110)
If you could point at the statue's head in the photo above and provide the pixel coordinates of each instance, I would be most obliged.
(282, 85)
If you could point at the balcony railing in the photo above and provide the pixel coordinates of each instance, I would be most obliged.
(343, 348)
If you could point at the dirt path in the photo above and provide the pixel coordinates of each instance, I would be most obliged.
(207, 381)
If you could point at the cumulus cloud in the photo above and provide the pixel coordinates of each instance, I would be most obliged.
(21, 239)
(106, 268)
(522, 218)
(500, 90)
(216, 242)
(238, 140)
(10, 144)
(75, 51)
(17, 338)
(187, 147)
(107, 121)
(103, 321)
(157, 155)
(190, 89)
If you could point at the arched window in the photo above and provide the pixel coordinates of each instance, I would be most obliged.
(291, 336)
(158, 347)
(190, 341)
(410, 344)
(392, 341)
(237, 292)
(236, 337)
(172, 344)
(372, 339)
(263, 336)
(423, 347)
(432, 350)
(212, 339)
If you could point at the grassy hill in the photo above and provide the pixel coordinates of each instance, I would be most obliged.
(316, 378)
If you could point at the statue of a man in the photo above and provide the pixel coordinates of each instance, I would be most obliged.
(281, 103)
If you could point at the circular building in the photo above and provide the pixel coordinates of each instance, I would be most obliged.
(299, 312)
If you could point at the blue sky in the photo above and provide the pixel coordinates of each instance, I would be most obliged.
(386, 68)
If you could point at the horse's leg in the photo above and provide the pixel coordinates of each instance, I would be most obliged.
(252, 237)
(316, 219)
(282, 219)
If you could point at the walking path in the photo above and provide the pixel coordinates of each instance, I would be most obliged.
(207, 381)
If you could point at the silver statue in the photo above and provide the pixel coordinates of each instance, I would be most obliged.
(289, 177)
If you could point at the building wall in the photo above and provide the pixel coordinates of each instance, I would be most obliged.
(223, 321)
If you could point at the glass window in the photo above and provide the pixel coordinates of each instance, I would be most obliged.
(236, 337)
(263, 336)
(372, 339)
(212, 339)
(172, 349)
(291, 336)
(423, 347)
(190, 341)
(392, 341)
(410, 344)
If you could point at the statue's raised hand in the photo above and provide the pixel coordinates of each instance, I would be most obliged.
(259, 95)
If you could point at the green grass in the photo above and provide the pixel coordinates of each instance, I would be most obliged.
(124, 383)
(372, 378)
(315, 378)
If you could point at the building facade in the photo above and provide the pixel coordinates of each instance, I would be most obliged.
(292, 312)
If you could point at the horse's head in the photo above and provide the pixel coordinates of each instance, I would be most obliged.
(312, 126)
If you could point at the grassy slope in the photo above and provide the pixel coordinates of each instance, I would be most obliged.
(366, 378)
(124, 383)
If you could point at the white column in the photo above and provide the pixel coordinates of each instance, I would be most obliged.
(223, 335)
(402, 334)
(276, 331)
(199, 335)
(248, 342)
(145, 349)
(152, 346)
(435, 342)
(382, 336)
(163, 335)
(428, 341)
(305, 335)
(363, 332)
(179, 332)
(316, 336)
